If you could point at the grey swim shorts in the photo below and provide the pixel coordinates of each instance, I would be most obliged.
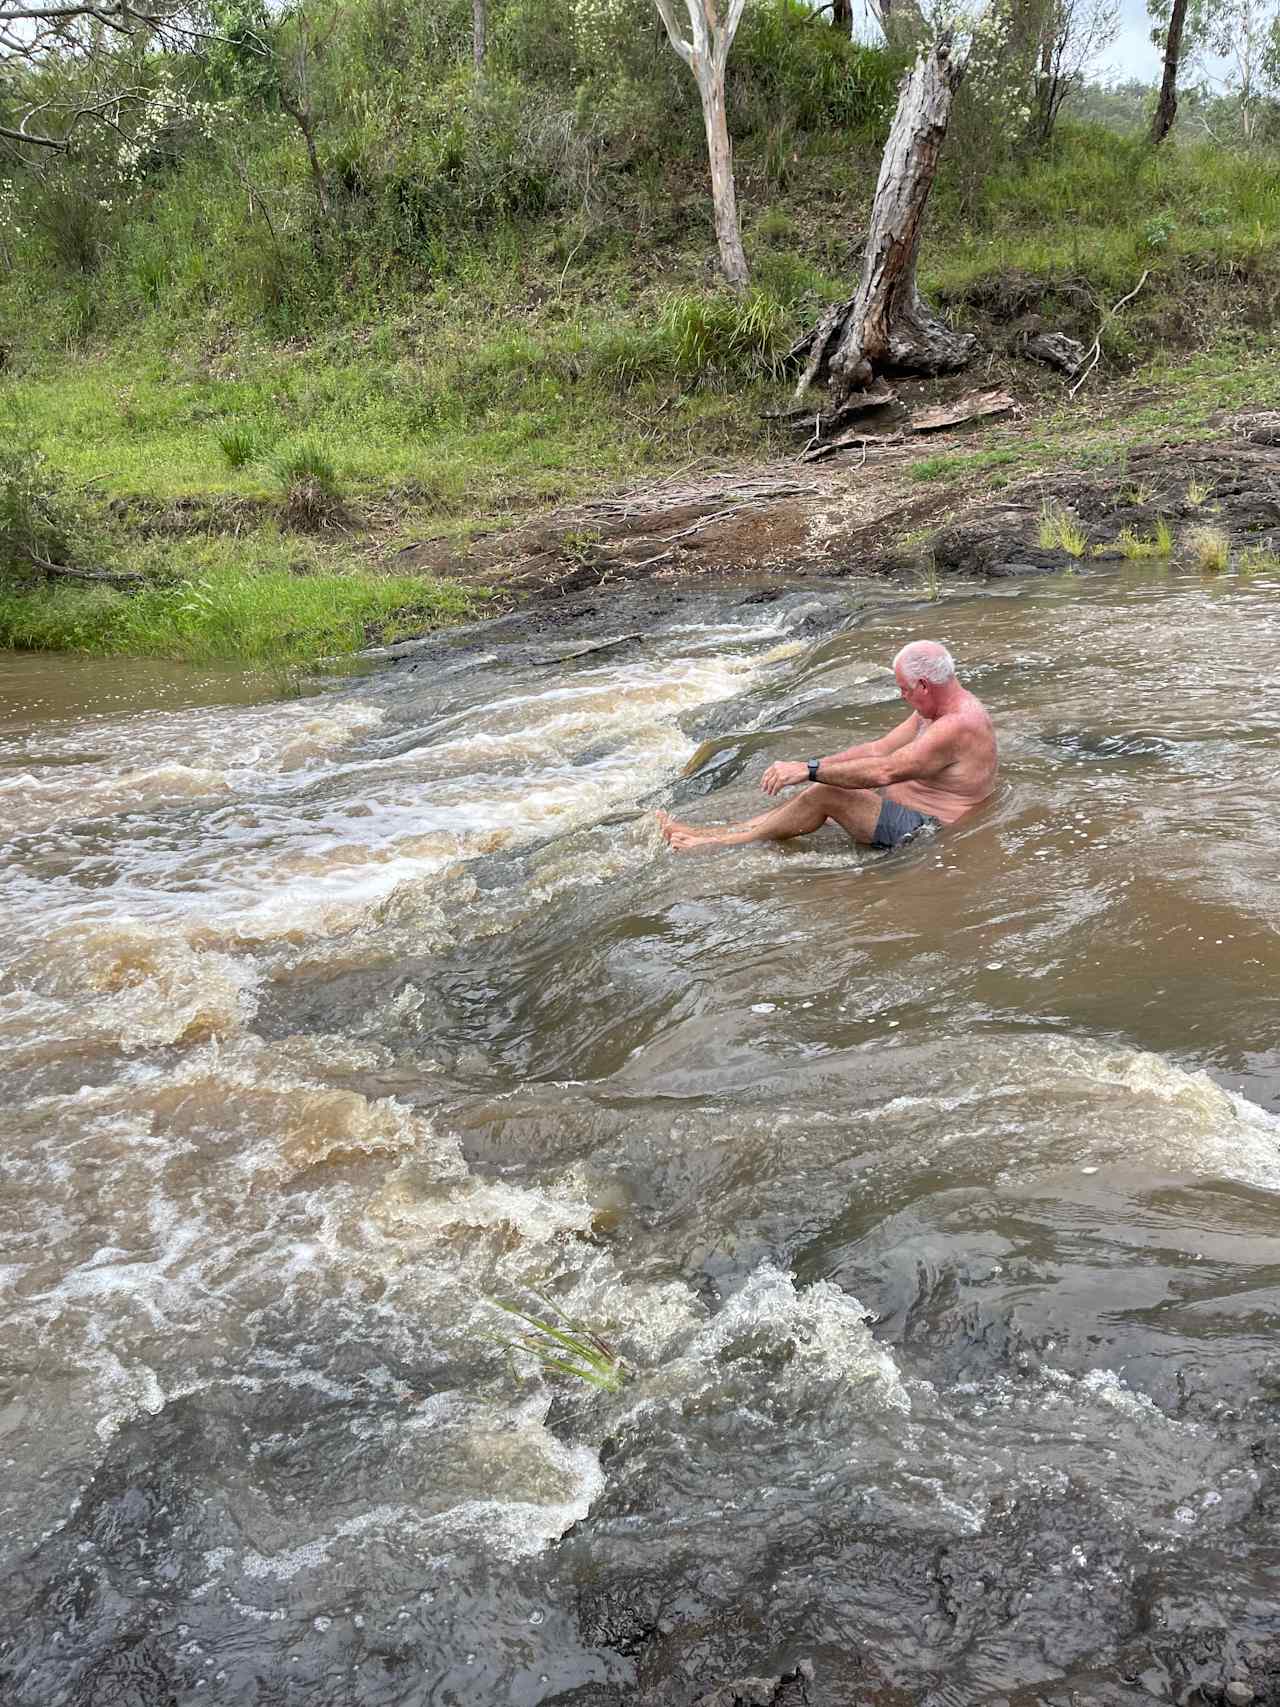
(897, 824)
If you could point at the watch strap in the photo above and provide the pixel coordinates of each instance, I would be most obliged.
(813, 769)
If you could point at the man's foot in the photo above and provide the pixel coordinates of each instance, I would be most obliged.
(684, 838)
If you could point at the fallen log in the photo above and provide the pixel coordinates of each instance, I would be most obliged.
(68, 571)
(850, 441)
(1055, 349)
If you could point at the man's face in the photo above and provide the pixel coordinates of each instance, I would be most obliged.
(916, 694)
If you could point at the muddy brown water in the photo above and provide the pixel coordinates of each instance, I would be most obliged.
(933, 1198)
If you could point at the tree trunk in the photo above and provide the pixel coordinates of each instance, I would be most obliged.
(733, 262)
(842, 16)
(1167, 106)
(886, 326)
(479, 30)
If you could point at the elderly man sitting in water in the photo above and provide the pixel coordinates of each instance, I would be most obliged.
(932, 769)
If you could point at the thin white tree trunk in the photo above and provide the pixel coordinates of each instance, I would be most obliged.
(733, 262)
(479, 30)
(706, 53)
(886, 325)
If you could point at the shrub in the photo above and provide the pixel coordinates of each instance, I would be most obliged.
(38, 522)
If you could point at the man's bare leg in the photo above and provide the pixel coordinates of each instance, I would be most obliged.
(854, 809)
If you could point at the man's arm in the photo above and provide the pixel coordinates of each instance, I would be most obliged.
(905, 731)
(914, 760)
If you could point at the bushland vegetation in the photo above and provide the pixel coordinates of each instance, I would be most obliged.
(315, 281)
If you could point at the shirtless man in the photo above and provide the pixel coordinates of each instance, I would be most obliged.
(933, 768)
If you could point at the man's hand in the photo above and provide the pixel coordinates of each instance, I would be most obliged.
(785, 774)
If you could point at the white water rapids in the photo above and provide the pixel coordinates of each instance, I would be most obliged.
(932, 1199)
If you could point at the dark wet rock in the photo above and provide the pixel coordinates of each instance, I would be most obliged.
(623, 1620)
(1014, 570)
(792, 1689)
(993, 545)
(137, 1674)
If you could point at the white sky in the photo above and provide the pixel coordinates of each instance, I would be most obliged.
(1132, 53)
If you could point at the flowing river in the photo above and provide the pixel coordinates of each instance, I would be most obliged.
(933, 1198)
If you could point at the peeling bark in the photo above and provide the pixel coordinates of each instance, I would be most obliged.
(886, 327)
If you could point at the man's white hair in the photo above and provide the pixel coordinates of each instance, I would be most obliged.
(925, 660)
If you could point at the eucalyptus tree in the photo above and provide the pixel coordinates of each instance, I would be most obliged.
(705, 50)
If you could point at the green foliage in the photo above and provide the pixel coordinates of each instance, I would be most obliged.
(38, 522)
(226, 613)
(790, 72)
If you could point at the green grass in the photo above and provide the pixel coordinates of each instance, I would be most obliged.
(564, 1346)
(1068, 216)
(1208, 548)
(1158, 543)
(230, 612)
(1060, 531)
(955, 467)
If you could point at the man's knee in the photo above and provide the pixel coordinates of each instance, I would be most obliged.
(837, 801)
(824, 795)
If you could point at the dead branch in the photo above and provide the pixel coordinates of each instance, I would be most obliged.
(1094, 354)
(123, 578)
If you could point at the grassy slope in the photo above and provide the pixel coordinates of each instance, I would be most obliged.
(537, 371)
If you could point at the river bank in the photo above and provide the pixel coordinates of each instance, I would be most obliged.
(1162, 464)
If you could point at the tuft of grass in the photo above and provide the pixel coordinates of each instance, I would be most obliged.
(1060, 531)
(1208, 548)
(725, 333)
(1140, 494)
(929, 581)
(565, 1346)
(239, 446)
(1159, 543)
(1257, 560)
(1198, 491)
(312, 493)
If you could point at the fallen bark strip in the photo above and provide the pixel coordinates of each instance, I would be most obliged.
(973, 406)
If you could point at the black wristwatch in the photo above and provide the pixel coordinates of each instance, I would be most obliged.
(813, 769)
